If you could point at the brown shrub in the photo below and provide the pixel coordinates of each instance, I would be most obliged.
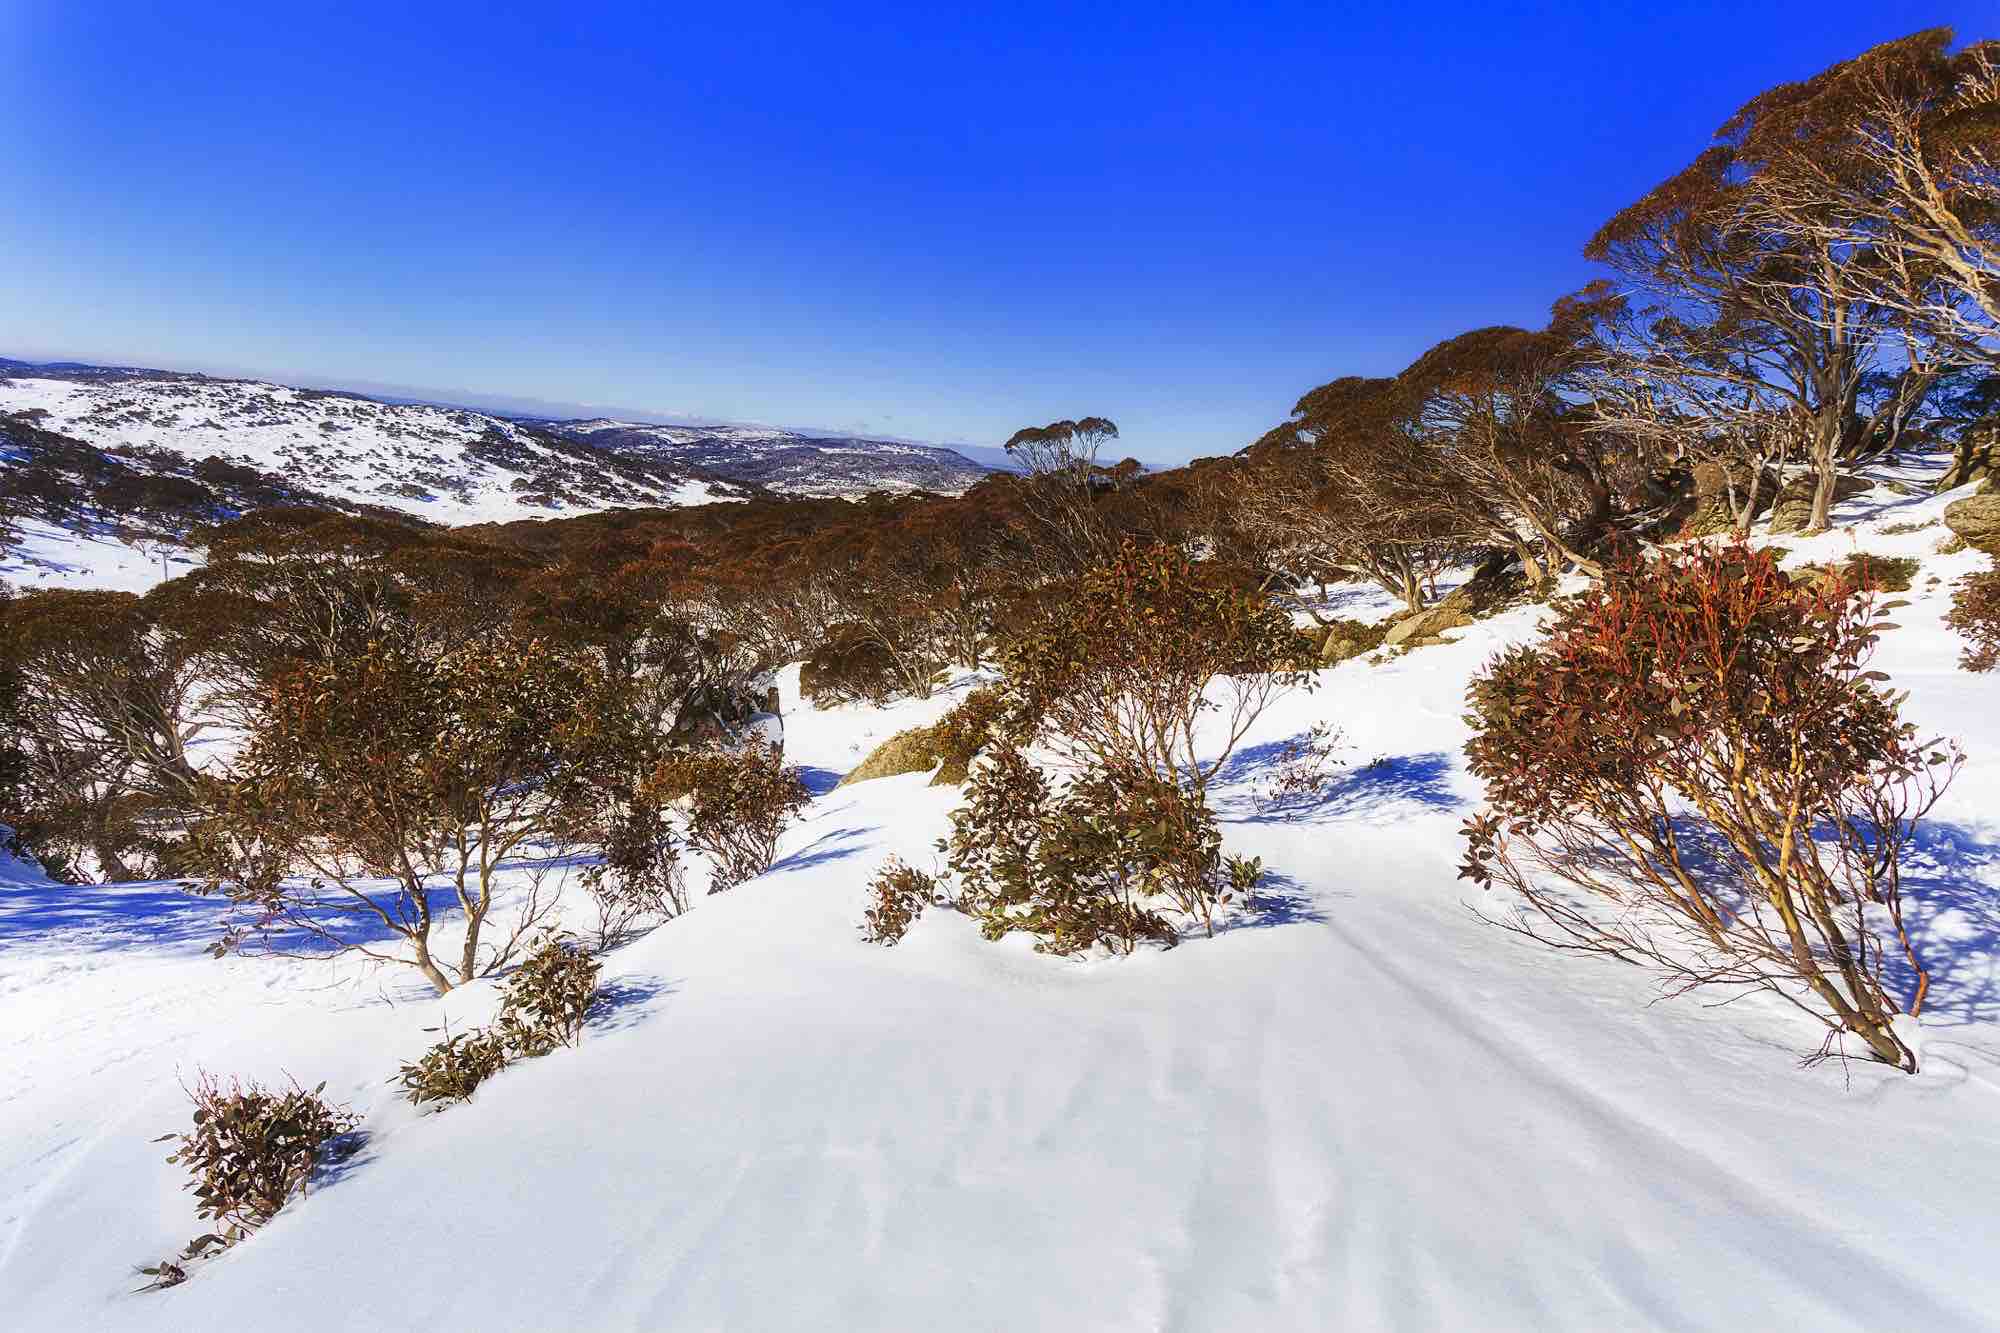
(1699, 748)
(899, 894)
(1975, 614)
(250, 1150)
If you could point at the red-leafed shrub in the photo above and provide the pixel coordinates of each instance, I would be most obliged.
(1696, 772)
(1975, 614)
(897, 896)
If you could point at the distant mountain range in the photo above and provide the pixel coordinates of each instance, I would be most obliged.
(448, 464)
(94, 459)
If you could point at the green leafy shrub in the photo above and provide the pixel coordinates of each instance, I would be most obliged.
(452, 1070)
(548, 998)
(898, 895)
(250, 1150)
(1077, 867)
(1696, 772)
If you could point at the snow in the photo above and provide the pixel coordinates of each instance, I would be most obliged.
(1358, 1107)
(43, 555)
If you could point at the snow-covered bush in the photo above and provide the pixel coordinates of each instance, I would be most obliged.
(1699, 749)
(898, 895)
(251, 1149)
(736, 802)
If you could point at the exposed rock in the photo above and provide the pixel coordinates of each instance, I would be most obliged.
(1793, 508)
(1428, 623)
(1977, 457)
(1976, 520)
(1711, 514)
(912, 751)
(1349, 638)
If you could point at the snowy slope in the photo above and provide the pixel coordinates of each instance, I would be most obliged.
(792, 462)
(1359, 1108)
(448, 465)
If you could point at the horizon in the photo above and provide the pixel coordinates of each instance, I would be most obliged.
(913, 227)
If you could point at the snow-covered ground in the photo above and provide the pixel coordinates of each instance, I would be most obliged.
(1359, 1107)
(43, 555)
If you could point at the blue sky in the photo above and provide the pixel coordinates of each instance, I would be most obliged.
(920, 221)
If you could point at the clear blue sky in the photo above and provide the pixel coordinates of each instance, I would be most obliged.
(913, 221)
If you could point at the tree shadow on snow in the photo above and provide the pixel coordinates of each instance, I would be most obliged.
(1382, 785)
(826, 847)
(627, 1002)
(1951, 906)
(1279, 900)
(819, 781)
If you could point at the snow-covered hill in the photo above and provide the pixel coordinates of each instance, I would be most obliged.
(1357, 1108)
(792, 462)
(443, 464)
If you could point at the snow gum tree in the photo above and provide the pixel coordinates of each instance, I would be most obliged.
(379, 780)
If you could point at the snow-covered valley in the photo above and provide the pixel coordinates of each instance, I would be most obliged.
(1359, 1106)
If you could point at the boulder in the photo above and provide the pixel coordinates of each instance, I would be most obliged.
(1976, 520)
(1711, 514)
(912, 751)
(1430, 622)
(1792, 510)
(1348, 638)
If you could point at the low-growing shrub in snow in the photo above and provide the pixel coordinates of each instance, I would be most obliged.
(549, 997)
(1301, 771)
(545, 1004)
(897, 895)
(250, 1150)
(1696, 772)
(853, 664)
(1083, 865)
(1975, 614)
(642, 880)
(1118, 675)
(452, 1069)
(736, 803)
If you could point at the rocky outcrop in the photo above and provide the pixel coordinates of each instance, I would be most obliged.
(1793, 508)
(1712, 513)
(1427, 624)
(1975, 520)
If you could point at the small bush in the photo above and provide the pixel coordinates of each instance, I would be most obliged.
(1698, 748)
(452, 1070)
(548, 998)
(641, 880)
(736, 803)
(851, 666)
(251, 1149)
(1975, 614)
(1075, 868)
(899, 893)
(1302, 770)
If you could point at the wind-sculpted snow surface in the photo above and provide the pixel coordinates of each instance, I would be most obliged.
(1358, 1107)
